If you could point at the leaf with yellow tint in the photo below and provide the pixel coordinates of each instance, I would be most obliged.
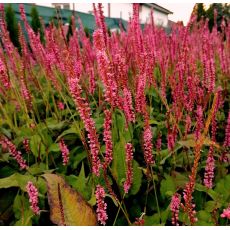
(190, 142)
(67, 207)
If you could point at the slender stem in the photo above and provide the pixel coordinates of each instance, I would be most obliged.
(7, 117)
(126, 216)
(120, 204)
(146, 198)
(154, 186)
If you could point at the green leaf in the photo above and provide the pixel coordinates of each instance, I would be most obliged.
(188, 143)
(179, 179)
(119, 164)
(211, 205)
(118, 126)
(46, 137)
(92, 200)
(191, 142)
(223, 188)
(22, 211)
(54, 124)
(99, 123)
(36, 169)
(72, 130)
(54, 147)
(165, 215)
(36, 145)
(204, 217)
(24, 131)
(77, 155)
(82, 184)
(16, 180)
(4, 157)
(154, 122)
(214, 195)
(41, 185)
(6, 132)
(167, 186)
(67, 207)
(137, 178)
(6, 171)
(153, 220)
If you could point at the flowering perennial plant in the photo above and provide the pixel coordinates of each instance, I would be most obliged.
(75, 105)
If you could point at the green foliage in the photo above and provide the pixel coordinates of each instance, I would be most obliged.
(222, 13)
(87, 32)
(12, 26)
(36, 23)
(16, 180)
(70, 30)
(137, 178)
(22, 211)
(82, 184)
(200, 11)
(168, 187)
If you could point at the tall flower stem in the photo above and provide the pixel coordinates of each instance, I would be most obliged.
(125, 213)
(155, 193)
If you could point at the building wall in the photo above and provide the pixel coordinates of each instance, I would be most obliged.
(120, 10)
(160, 19)
(117, 10)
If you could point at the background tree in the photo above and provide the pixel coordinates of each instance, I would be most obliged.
(215, 13)
(222, 13)
(12, 26)
(36, 23)
(200, 11)
(70, 30)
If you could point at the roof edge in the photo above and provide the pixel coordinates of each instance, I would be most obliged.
(157, 7)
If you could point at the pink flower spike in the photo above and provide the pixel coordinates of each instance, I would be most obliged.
(226, 213)
(148, 146)
(108, 138)
(174, 207)
(61, 105)
(33, 197)
(64, 151)
(209, 169)
(101, 205)
(22, 12)
(227, 132)
(98, 40)
(26, 144)
(129, 170)
(199, 125)
(127, 106)
(17, 155)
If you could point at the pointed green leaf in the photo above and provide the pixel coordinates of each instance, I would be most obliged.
(167, 186)
(137, 178)
(16, 180)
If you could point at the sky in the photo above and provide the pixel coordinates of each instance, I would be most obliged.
(181, 11)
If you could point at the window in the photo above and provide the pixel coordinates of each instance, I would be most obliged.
(160, 22)
(56, 5)
(66, 6)
(61, 5)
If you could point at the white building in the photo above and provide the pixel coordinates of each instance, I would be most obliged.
(121, 10)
